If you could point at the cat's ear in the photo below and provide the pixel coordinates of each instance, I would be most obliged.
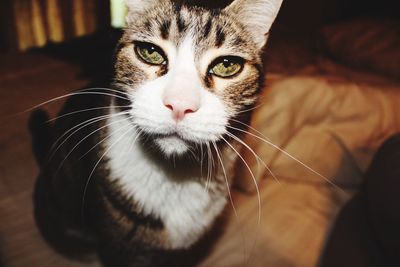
(256, 15)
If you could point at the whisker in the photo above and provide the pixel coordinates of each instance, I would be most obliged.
(258, 198)
(110, 90)
(209, 171)
(290, 156)
(85, 110)
(212, 161)
(226, 179)
(80, 92)
(250, 109)
(140, 131)
(95, 166)
(270, 171)
(252, 175)
(86, 137)
(192, 152)
(252, 128)
(231, 199)
(85, 123)
(105, 138)
(201, 160)
(80, 127)
(255, 155)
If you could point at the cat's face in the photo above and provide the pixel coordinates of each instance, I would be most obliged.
(189, 71)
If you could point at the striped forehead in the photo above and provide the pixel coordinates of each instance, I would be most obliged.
(208, 28)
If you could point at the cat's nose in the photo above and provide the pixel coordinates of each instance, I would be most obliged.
(181, 107)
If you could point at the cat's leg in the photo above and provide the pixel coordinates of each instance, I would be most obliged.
(54, 223)
(114, 253)
(51, 215)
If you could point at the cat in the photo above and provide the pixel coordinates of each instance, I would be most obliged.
(142, 169)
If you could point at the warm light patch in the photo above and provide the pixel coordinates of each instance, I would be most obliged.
(118, 13)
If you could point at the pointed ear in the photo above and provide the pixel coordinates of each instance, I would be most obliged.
(256, 15)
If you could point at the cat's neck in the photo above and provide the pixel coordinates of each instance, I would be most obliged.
(178, 197)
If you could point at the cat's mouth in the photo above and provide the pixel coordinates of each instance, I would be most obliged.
(176, 141)
(181, 138)
(171, 144)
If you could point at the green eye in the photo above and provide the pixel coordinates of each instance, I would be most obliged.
(226, 67)
(150, 53)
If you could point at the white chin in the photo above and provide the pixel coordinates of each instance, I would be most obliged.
(172, 145)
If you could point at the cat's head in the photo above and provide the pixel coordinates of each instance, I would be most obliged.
(189, 71)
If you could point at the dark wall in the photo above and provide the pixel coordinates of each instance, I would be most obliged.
(297, 17)
(307, 16)
(382, 8)
(7, 29)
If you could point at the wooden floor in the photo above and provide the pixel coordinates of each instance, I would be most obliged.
(295, 217)
(24, 82)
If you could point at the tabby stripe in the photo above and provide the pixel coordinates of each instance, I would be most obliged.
(181, 23)
(220, 37)
(165, 28)
(124, 207)
(238, 41)
(207, 28)
(122, 101)
(261, 77)
(118, 48)
(208, 81)
(147, 26)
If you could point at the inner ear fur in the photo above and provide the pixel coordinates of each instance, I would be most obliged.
(257, 16)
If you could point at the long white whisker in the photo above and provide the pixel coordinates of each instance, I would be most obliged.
(252, 175)
(86, 137)
(192, 152)
(105, 138)
(97, 163)
(250, 109)
(257, 190)
(85, 110)
(78, 125)
(290, 156)
(82, 92)
(255, 155)
(252, 128)
(228, 187)
(85, 124)
(137, 137)
(110, 90)
(209, 170)
(201, 160)
(258, 160)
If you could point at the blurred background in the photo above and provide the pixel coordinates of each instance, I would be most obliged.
(34, 23)
(332, 98)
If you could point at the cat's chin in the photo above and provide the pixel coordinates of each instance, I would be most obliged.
(172, 145)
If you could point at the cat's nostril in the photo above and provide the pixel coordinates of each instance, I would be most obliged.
(189, 111)
(179, 109)
(170, 107)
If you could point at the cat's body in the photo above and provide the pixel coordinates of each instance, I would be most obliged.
(146, 168)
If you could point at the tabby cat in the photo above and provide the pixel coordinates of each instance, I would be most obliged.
(142, 169)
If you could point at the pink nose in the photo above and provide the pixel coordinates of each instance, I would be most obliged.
(180, 108)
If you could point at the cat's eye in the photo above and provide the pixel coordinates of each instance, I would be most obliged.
(150, 53)
(226, 67)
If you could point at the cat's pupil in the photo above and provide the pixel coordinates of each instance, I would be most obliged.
(227, 63)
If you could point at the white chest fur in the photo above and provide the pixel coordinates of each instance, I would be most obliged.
(186, 208)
